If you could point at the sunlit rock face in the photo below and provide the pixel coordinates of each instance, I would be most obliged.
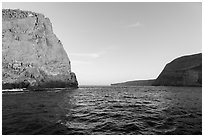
(183, 71)
(32, 55)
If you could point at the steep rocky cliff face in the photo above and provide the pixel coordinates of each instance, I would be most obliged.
(32, 56)
(183, 71)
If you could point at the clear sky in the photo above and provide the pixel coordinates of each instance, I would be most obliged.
(116, 42)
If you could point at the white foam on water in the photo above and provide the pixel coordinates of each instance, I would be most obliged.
(13, 90)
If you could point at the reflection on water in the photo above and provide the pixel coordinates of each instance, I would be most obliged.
(104, 110)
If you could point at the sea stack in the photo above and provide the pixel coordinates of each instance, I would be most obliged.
(183, 71)
(32, 55)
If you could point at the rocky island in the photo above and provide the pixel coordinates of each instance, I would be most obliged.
(182, 71)
(32, 55)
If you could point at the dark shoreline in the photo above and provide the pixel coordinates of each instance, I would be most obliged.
(47, 85)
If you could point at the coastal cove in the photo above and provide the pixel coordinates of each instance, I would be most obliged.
(36, 59)
(102, 68)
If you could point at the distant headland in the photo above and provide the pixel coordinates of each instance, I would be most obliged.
(182, 71)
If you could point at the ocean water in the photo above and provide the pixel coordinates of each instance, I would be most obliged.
(103, 111)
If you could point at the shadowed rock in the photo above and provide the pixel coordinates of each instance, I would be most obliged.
(32, 56)
(183, 71)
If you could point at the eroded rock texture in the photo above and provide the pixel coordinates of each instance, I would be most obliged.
(32, 56)
(183, 71)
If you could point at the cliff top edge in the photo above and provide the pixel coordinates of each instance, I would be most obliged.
(12, 14)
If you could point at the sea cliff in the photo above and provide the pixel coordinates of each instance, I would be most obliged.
(183, 71)
(32, 55)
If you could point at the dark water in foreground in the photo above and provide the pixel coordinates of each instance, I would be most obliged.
(104, 110)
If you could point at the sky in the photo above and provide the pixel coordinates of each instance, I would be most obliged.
(116, 42)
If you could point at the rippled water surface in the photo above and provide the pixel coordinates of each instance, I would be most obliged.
(104, 110)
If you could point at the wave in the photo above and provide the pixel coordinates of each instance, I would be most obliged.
(104, 111)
